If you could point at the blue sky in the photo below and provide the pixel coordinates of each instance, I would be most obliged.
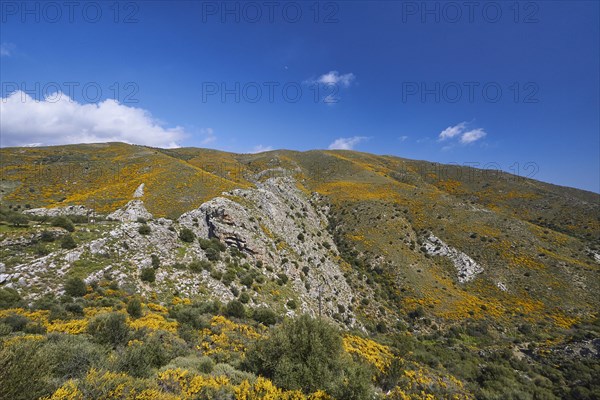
(494, 84)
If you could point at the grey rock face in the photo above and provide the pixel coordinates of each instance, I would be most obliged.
(466, 267)
(131, 212)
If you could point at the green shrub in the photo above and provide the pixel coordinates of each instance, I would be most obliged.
(47, 236)
(63, 222)
(186, 235)
(10, 298)
(283, 279)
(75, 287)
(192, 315)
(155, 261)
(307, 354)
(200, 265)
(212, 254)
(144, 230)
(148, 275)
(67, 242)
(24, 372)
(134, 307)
(18, 220)
(235, 308)
(292, 304)
(109, 328)
(16, 322)
(265, 316)
(244, 298)
(71, 356)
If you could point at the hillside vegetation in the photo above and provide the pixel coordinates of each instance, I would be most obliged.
(193, 273)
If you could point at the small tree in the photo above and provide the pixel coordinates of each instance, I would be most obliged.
(75, 287)
(187, 235)
(235, 308)
(68, 242)
(134, 307)
(64, 222)
(109, 328)
(307, 354)
(148, 275)
(18, 220)
(47, 236)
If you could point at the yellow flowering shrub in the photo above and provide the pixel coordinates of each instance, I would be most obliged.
(154, 321)
(374, 353)
(73, 327)
(226, 336)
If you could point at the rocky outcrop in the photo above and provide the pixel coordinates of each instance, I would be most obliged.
(132, 211)
(60, 211)
(466, 267)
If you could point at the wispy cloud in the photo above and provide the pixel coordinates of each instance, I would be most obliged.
(260, 148)
(403, 138)
(330, 84)
(472, 136)
(6, 49)
(334, 78)
(26, 120)
(460, 130)
(346, 143)
(452, 131)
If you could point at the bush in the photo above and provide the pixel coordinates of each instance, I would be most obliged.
(144, 230)
(18, 220)
(307, 354)
(109, 328)
(200, 265)
(292, 304)
(235, 308)
(212, 254)
(265, 316)
(155, 261)
(244, 298)
(75, 287)
(68, 242)
(23, 373)
(134, 307)
(16, 322)
(283, 279)
(63, 222)
(47, 236)
(10, 298)
(148, 275)
(71, 356)
(186, 235)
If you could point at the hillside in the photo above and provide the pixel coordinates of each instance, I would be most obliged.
(380, 246)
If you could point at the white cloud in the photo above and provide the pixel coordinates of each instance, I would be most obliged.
(458, 130)
(6, 49)
(403, 138)
(452, 131)
(334, 78)
(472, 136)
(60, 120)
(260, 148)
(346, 143)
